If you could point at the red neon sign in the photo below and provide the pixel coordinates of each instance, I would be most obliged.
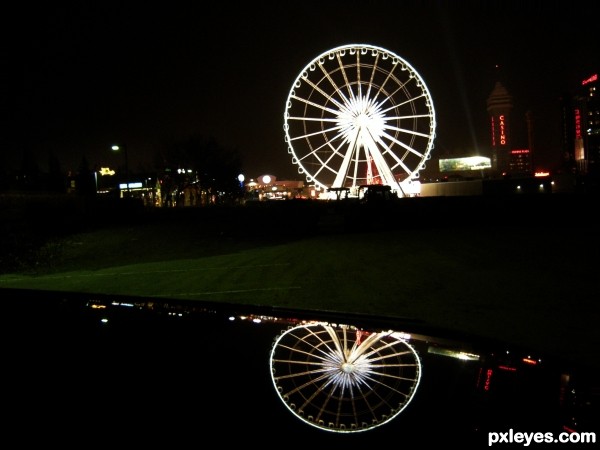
(502, 130)
(488, 380)
(577, 124)
(590, 79)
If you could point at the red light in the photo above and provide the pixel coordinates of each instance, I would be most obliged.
(577, 124)
(533, 362)
(510, 369)
(488, 380)
(590, 79)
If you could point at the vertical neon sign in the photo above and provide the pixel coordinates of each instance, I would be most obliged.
(502, 124)
(579, 153)
(501, 131)
(488, 380)
(577, 124)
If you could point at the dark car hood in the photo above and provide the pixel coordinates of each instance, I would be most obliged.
(128, 366)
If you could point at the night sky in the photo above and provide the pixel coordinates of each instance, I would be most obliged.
(86, 75)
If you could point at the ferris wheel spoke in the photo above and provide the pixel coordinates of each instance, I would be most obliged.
(367, 345)
(314, 153)
(313, 386)
(316, 133)
(406, 131)
(392, 385)
(345, 76)
(394, 156)
(340, 404)
(336, 89)
(325, 95)
(406, 117)
(370, 406)
(324, 164)
(403, 145)
(319, 367)
(372, 78)
(410, 101)
(315, 105)
(323, 131)
(322, 343)
(303, 352)
(325, 168)
(313, 119)
(401, 164)
(343, 170)
(376, 368)
(382, 87)
(315, 375)
(358, 77)
(377, 351)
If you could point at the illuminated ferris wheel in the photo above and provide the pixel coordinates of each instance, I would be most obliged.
(359, 115)
(341, 379)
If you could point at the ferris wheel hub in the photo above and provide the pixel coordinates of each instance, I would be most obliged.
(347, 367)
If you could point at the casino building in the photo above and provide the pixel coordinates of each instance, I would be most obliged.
(499, 107)
(506, 160)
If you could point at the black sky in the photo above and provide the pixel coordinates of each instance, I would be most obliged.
(87, 74)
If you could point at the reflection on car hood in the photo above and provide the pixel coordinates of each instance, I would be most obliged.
(135, 367)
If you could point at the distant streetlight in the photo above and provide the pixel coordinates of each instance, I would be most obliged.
(123, 147)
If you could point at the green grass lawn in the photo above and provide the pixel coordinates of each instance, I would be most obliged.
(523, 285)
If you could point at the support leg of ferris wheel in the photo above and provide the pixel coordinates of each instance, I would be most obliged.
(387, 177)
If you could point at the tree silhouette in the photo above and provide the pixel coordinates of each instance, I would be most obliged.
(56, 181)
(29, 176)
(204, 163)
(86, 185)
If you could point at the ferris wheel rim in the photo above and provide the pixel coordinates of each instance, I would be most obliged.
(319, 349)
(428, 122)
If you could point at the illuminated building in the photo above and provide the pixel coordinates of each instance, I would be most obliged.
(467, 164)
(499, 107)
(520, 161)
(268, 187)
(581, 129)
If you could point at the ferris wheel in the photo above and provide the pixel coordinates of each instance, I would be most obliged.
(359, 115)
(341, 379)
